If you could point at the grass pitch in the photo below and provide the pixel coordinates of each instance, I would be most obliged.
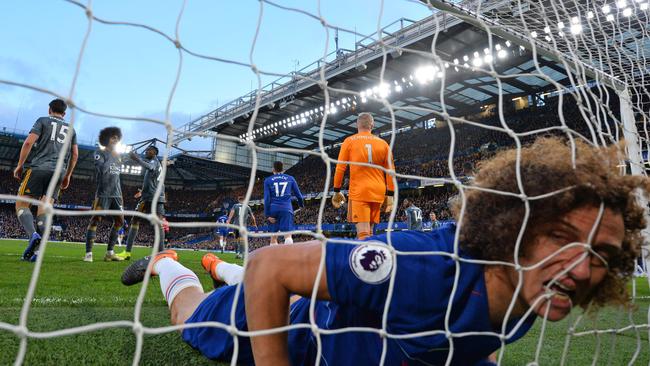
(73, 293)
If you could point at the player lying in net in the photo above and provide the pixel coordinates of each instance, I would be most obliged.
(579, 247)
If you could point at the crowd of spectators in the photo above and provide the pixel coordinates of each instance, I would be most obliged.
(418, 152)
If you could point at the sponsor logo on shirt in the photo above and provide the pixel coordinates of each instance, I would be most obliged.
(371, 263)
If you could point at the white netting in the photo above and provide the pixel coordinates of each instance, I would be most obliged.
(592, 53)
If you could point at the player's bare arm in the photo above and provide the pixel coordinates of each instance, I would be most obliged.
(230, 215)
(273, 274)
(24, 153)
(74, 156)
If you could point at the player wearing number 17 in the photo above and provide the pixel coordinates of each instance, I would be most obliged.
(43, 145)
(369, 186)
(278, 190)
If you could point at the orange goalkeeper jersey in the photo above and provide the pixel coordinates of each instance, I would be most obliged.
(366, 184)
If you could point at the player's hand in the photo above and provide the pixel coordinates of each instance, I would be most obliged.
(387, 206)
(133, 155)
(338, 199)
(18, 172)
(272, 220)
(65, 183)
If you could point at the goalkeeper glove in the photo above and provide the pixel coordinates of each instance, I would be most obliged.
(387, 206)
(337, 199)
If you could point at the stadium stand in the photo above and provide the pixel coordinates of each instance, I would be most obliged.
(418, 151)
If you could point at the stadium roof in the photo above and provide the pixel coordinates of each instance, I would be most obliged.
(292, 108)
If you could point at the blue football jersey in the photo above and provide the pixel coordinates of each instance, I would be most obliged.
(278, 190)
(358, 280)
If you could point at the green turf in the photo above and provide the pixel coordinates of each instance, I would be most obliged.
(73, 293)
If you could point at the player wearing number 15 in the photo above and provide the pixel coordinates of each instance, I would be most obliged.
(43, 146)
(278, 190)
(369, 187)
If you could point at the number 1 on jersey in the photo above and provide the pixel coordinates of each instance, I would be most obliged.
(369, 148)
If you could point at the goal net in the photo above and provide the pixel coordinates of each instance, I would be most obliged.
(470, 80)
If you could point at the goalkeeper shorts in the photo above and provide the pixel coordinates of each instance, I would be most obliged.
(360, 211)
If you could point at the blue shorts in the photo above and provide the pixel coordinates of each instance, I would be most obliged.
(283, 221)
(217, 344)
(222, 231)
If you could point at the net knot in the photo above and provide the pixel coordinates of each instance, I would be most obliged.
(232, 330)
(48, 208)
(314, 328)
(137, 328)
(21, 332)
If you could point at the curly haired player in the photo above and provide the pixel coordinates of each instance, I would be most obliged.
(579, 245)
(109, 192)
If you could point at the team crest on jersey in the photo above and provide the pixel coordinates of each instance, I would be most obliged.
(371, 263)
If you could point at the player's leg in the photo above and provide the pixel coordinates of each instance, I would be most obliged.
(134, 228)
(375, 216)
(31, 252)
(180, 286)
(40, 214)
(91, 235)
(222, 242)
(238, 244)
(161, 231)
(274, 227)
(286, 225)
(91, 231)
(359, 213)
(24, 214)
(221, 271)
(118, 222)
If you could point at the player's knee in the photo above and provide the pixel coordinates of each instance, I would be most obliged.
(21, 205)
(174, 315)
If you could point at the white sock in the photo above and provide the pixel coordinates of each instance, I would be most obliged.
(229, 273)
(288, 240)
(110, 252)
(174, 277)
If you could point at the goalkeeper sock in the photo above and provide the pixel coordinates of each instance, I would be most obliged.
(174, 278)
(90, 238)
(112, 238)
(229, 273)
(40, 224)
(26, 220)
(130, 239)
(288, 240)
